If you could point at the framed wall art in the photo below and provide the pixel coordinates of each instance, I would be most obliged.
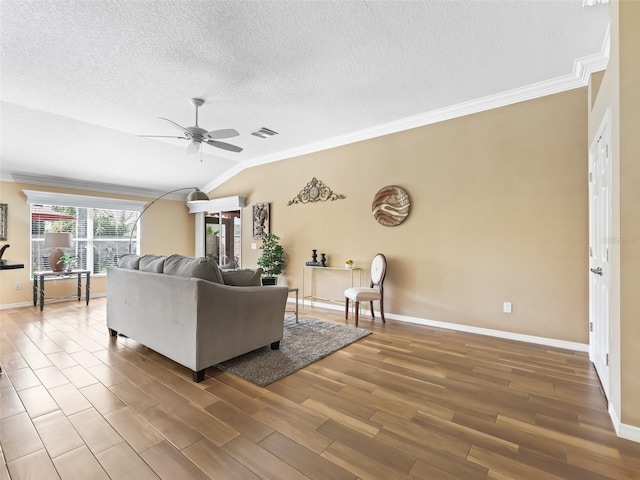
(4, 221)
(260, 220)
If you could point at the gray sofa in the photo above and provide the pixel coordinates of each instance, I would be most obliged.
(190, 311)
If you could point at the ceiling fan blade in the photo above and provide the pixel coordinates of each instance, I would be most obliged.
(182, 129)
(224, 133)
(193, 147)
(163, 136)
(224, 146)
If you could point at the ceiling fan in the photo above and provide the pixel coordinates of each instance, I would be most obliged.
(198, 135)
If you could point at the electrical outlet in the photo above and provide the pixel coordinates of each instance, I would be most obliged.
(17, 285)
(506, 307)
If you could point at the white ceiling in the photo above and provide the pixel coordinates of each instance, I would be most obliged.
(81, 79)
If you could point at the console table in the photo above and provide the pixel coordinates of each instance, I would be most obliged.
(40, 277)
(6, 265)
(311, 296)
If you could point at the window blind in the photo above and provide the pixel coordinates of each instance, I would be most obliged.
(100, 232)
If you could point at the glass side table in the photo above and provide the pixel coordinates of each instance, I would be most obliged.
(39, 278)
(296, 310)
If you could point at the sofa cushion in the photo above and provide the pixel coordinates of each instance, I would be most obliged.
(201, 267)
(130, 261)
(152, 263)
(243, 277)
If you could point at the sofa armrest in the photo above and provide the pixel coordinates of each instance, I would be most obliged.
(237, 319)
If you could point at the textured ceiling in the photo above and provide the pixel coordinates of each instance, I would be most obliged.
(80, 80)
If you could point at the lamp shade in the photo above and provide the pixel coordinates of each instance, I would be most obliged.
(197, 196)
(58, 240)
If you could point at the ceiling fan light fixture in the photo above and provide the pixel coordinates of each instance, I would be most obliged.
(194, 146)
(197, 135)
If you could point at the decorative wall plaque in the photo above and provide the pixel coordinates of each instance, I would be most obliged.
(4, 220)
(390, 206)
(260, 220)
(315, 191)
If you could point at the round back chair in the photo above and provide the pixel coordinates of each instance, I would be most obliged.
(375, 290)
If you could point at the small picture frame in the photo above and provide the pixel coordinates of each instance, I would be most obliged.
(260, 220)
(4, 221)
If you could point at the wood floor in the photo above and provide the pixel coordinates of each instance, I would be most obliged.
(407, 401)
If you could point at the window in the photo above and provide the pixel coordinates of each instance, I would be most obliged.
(100, 235)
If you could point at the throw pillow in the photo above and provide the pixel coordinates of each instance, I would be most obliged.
(129, 261)
(243, 277)
(202, 267)
(152, 263)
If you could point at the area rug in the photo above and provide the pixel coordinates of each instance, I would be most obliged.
(303, 344)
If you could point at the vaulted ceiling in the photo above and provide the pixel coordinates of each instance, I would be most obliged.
(82, 79)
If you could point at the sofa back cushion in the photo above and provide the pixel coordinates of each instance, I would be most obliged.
(152, 263)
(243, 277)
(130, 261)
(201, 267)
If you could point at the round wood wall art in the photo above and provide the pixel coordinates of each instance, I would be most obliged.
(390, 206)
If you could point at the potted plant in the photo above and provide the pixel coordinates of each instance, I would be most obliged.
(271, 259)
(67, 262)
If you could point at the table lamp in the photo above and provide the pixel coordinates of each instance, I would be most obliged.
(57, 242)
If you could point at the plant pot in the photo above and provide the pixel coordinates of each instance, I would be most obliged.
(269, 281)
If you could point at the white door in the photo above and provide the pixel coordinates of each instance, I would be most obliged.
(599, 250)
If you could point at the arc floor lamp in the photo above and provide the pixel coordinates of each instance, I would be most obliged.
(195, 196)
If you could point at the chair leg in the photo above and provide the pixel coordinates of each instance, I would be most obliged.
(373, 315)
(382, 310)
(357, 312)
(346, 308)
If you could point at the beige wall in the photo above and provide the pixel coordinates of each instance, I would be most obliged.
(630, 208)
(499, 213)
(166, 228)
(618, 92)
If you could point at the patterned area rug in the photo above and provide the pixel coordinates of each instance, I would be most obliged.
(302, 344)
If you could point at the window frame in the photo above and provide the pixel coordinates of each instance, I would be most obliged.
(91, 203)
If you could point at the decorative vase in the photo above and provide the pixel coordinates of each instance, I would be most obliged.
(348, 266)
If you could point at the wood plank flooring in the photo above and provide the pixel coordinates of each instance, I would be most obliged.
(407, 401)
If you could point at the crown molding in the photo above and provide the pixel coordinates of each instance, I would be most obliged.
(582, 70)
(57, 182)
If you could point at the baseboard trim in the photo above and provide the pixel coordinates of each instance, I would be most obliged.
(550, 342)
(623, 430)
(9, 306)
(629, 432)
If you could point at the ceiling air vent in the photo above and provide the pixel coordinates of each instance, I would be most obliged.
(264, 132)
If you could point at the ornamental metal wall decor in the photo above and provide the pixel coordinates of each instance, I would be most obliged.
(315, 191)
